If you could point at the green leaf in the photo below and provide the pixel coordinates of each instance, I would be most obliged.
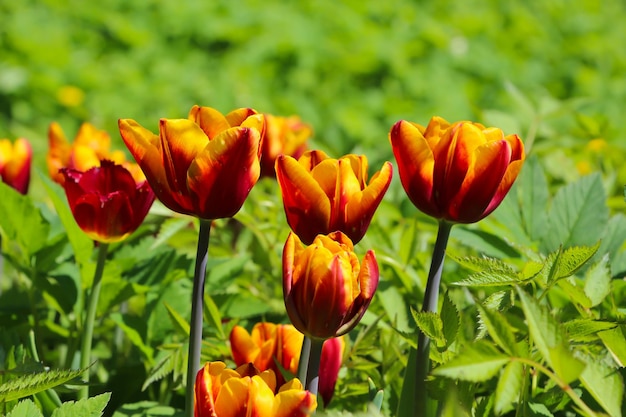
(26, 408)
(478, 362)
(575, 293)
(431, 325)
(450, 320)
(147, 409)
(598, 281)
(81, 244)
(179, 322)
(212, 312)
(605, 385)
(486, 243)
(585, 330)
(573, 258)
(481, 264)
(509, 387)
(169, 228)
(29, 384)
(88, 407)
(579, 214)
(498, 328)
(22, 221)
(548, 336)
(490, 279)
(533, 197)
(615, 342)
(131, 328)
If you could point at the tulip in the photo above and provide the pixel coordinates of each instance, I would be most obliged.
(456, 172)
(15, 162)
(283, 136)
(244, 392)
(326, 290)
(107, 202)
(323, 195)
(89, 147)
(205, 165)
(270, 345)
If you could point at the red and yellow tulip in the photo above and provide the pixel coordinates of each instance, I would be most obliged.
(89, 147)
(323, 195)
(205, 165)
(107, 202)
(246, 392)
(325, 288)
(15, 161)
(270, 345)
(283, 136)
(457, 172)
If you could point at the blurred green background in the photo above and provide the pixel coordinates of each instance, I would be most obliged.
(554, 72)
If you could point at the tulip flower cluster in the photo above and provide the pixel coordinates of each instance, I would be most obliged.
(283, 136)
(221, 392)
(15, 162)
(274, 346)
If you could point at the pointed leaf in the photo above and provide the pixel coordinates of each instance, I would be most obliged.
(212, 312)
(29, 384)
(87, 407)
(509, 387)
(498, 328)
(26, 408)
(598, 281)
(179, 322)
(586, 330)
(615, 342)
(431, 325)
(534, 195)
(450, 320)
(605, 385)
(573, 258)
(479, 362)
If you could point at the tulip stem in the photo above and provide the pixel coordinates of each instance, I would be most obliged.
(305, 353)
(313, 366)
(431, 297)
(195, 336)
(92, 308)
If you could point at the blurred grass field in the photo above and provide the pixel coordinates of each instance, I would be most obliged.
(554, 72)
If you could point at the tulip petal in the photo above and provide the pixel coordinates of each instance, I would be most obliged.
(237, 116)
(211, 121)
(222, 175)
(294, 403)
(233, 398)
(362, 205)
(330, 363)
(242, 346)
(311, 159)
(181, 141)
(204, 391)
(307, 206)
(145, 147)
(415, 165)
(481, 183)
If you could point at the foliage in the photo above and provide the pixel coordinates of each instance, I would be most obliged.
(532, 320)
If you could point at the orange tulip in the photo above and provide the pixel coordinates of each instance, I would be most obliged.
(107, 202)
(246, 392)
(15, 162)
(457, 172)
(284, 136)
(270, 345)
(89, 147)
(204, 165)
(326, 290)
(323, 195)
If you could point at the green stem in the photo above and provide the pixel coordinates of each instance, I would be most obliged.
(415, 403)
(195, 336)
(92, 307)
(305, 353)
(313, 365)
(562, 384)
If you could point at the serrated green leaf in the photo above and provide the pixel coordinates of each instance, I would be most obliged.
(26, 385)
(585, 330)
(431, 325)
(598, 281)
(498, 328)
(573, 258)
(579, 214)
(575, 293)
(163, 367)
(480, 264)
(87, 407)
(490, 279)
(615, 342)
(605, 385)
(547, 335)
(478, 362)
(26, 408)
(509, 387)
(450, 320)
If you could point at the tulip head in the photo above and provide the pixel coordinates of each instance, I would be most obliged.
(107, 202)
(89, 147)
(15, 161)
(245, 392)
(283, 136)
(456, 172)
(205, 165)
(323, 195)
(325, 288)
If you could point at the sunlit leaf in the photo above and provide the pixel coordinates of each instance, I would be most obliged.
(478, 362)
(87, 407)
(605, 385)
(508, 390)
(598, 281)
(431, 325)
